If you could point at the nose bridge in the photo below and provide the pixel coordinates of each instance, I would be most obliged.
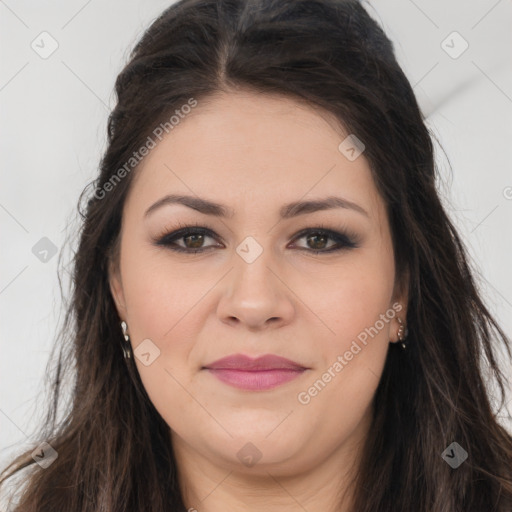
(253, 275)
(254, 294)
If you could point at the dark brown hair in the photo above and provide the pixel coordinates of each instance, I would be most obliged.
(113, 447)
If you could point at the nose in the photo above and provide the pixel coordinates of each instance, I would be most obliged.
(256, 296)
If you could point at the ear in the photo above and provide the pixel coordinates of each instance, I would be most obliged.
(116, 289)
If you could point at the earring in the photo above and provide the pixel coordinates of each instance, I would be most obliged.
(402, 333)
(126, 346)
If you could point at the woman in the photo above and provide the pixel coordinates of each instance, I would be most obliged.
(271, 308)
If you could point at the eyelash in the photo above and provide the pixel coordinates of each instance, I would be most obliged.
(344, 240)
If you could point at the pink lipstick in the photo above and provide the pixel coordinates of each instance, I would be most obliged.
(265, 372)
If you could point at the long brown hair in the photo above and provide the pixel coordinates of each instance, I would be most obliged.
(113, 447)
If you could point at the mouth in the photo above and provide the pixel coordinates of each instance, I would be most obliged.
(262, 373)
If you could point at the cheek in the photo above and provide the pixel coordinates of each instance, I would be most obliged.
(340, 391)
(160, 299)
(362, 293)
(163, 303)
(160, 295)
(360, 314)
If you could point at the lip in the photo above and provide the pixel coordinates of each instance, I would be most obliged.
(256, 374)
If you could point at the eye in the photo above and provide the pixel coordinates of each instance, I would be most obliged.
(192, 240)
(192, 237)
(317, 240)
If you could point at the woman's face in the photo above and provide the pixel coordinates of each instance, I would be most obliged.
(258, 288)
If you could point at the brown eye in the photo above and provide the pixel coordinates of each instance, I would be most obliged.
(317, 240)
(196, 240)
(192, 238)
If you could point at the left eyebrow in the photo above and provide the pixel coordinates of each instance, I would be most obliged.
(287, 211)
(302, 207)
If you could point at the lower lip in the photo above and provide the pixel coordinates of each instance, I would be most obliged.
(256, 380)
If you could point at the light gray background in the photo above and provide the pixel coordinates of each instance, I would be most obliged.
(53, 132)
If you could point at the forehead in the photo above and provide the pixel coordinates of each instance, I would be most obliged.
(255, 147)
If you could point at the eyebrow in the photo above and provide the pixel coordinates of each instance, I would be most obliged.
(287, 211)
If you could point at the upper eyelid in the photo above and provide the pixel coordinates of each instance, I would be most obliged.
(182, 230)
(178, 231)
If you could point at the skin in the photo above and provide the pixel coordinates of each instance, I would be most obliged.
(253, 153)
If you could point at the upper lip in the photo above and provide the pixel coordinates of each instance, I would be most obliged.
(246, 363)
